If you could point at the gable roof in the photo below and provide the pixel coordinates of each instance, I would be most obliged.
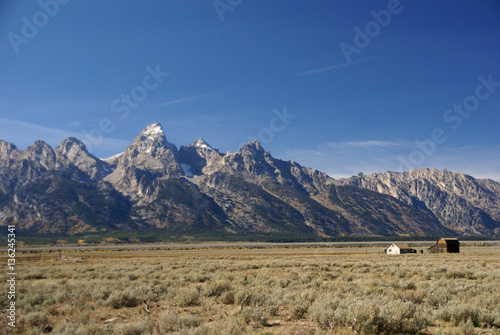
(450, 240)
(402, 246)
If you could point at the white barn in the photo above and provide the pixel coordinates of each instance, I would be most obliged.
(399, 249)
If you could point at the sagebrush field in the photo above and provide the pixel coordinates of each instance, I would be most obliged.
(260, 291)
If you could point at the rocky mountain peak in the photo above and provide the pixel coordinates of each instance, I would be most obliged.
(459, 201)
(252, 150)
(75, 152)
(148, 158)
(251, 153)
(254, 145)
(40, 148)
(71, 145)
(154, 129)
(8, 152)
(6, 148)
(201, 157)
(154, 185)
(152, 141)
(42, 153)
(201, 143)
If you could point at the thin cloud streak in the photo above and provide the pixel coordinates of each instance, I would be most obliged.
(53, 136)
(333, 67)
(196, 97)
(364, 144)
(341, 162)
(78, 123)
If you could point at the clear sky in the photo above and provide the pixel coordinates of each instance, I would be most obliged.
(343, 86)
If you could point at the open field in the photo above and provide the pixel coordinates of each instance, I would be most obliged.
(231, 245)
(223, 245)
(259, 291)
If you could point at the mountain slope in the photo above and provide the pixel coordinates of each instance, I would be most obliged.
(153, 185)
(44, 193)
(461, 202)
(147, 160)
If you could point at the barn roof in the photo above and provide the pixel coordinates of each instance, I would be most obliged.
(402, 246)
(451, 240)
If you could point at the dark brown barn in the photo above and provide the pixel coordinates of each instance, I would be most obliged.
(445, 245)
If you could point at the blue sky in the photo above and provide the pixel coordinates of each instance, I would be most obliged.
(228, 74)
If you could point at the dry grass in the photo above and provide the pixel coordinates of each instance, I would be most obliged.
(262, 291)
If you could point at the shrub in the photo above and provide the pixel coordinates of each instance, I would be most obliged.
(240, 296)
(202, 330)
(405, 317)
(68, 328)
(136, 328)
(298, 311)
(132, 277)
(94, 329)
(460, 273)
(409, 285)
(253, 316)
(187, 297)
(36, 319)
(216, 289)
(393, 297)
(233, 327)
(285, 282)
(29, 302)
(122, 299)
(101, 294)
(273, 310)
(463, 314)
(369, 317)
(227, 298)
(414, 296)
(324, 312)
(467, 328)
(34, 276)
(173, 322)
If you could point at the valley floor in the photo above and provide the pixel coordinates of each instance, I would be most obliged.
(258, 291)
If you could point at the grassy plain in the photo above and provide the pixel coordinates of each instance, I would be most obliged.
(259, 291)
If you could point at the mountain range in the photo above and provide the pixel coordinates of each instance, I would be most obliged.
(153, 185)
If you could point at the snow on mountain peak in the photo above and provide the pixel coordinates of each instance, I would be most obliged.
(187, 170)
(153, 129)
(112, 158)
(202, 144)
(151, 139)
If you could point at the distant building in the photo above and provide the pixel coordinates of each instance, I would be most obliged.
(445, 245)
(399, 249)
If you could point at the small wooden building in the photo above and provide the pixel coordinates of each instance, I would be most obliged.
(445, 245)
(399, 249)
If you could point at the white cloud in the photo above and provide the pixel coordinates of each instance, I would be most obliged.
(363, 144)
(23, 134)
(345, 159)
(333, 67)
(78, 123)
